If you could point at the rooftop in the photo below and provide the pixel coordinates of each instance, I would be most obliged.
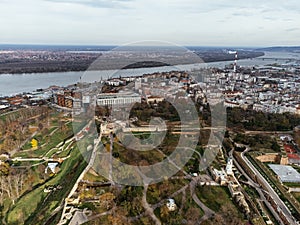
(286, 173)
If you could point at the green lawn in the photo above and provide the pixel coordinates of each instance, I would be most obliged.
(31, 204)
(93, 178)
(76, 126)
(45, 144)
(297, 196)
(27, 146)
(214, 197)
(292, 185)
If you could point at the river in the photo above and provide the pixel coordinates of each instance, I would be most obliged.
(11, 84)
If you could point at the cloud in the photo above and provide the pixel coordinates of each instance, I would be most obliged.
(243, 13)
(292, 29)
(96, 3)
(189, 22)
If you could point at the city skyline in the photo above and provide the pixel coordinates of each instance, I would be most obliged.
(149, 112)
(188, 23)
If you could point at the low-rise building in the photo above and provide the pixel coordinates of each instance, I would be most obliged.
(171, 205)
(111, 99)
(219, 176)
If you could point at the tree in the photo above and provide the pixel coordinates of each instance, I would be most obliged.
(227, 215)
(107, 200)
(192, 215)
(40, 126)
(118, 217)
(164, 212)
(4, 169)
(275, 146)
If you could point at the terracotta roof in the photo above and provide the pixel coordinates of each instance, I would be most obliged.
(293, 156)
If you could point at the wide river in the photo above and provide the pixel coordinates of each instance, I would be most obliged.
(11, 84)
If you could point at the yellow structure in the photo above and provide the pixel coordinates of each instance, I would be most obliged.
(34, 143)
(274, 158)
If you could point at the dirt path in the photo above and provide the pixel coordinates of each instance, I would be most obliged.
(148, 208)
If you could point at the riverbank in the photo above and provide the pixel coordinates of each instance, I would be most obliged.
(12, 84)
(69, 62)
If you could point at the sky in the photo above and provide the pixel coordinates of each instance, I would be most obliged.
(182, 22)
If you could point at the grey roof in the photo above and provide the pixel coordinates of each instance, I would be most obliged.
(286, 173)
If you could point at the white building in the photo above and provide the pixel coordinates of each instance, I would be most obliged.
(231, 104)
(171, 205)
(220, 176)
(111, 99)
(52, 167)
(229, 165)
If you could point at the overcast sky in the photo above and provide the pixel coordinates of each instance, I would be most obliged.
(184, 22)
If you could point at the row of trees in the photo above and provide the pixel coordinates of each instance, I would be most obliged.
(164, 110)
(258, 141)
(253, 120)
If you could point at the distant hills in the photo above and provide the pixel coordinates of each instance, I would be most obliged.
(18, 59)
(294, 49)
(57, 47)
(61, 58)
(111, 47)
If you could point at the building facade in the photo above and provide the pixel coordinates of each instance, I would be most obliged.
(118, 99)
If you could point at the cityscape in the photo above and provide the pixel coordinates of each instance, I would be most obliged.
(163, 112)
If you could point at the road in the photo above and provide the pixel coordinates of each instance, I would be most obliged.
(259, 190)
(285, 211)
(90, 164)
(39, 159)
(110, 172)
(252, 132)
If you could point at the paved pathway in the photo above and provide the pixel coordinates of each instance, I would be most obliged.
(90, 164)
(208, 213)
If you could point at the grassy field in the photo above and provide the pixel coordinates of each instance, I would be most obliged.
(297, 196)
(45, 143)
(4, 115)
(35, 206)
(219, 200)
(214, 197)
(93, 177)
(76, 126)
(292, 185)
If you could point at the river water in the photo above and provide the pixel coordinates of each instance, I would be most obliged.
(11, 84)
